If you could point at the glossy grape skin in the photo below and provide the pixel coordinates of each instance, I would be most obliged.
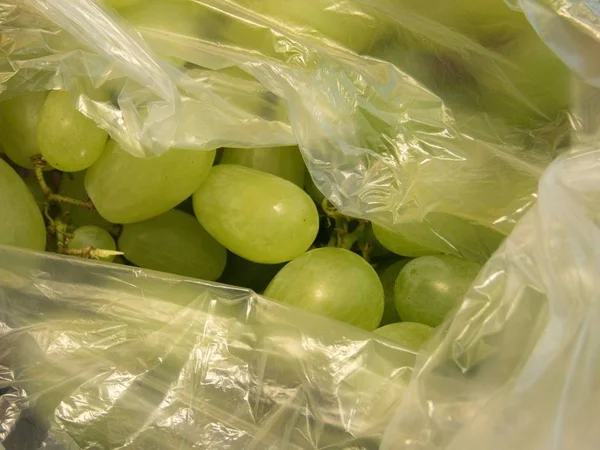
(408, 334)
(399, 244)
(127, 189)
(92, 237)
(248, 274)
(284, 162)
(19, 119)
(388, 276)
(21, 221)
(332, 282)
(256, 215)
(429, 287)
(72, 186)
(174, 242)
(353, 31)
(67, 139)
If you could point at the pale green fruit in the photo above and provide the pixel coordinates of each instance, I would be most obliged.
(67, 139)
(284, 162)
(256, 215)
(21, 223)
(174, 242)
(408, 334)
(127, 189)
(332, 282)
(91, 237)
(19, 117)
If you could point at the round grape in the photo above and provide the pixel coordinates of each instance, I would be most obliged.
(332, 282)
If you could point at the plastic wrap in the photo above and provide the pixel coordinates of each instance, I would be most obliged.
(382, 140)
(106, 357)
(119, 358)
(518, 365)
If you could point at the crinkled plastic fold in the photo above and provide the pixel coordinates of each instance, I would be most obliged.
(119, 358)
(382, 139)
(104, 356)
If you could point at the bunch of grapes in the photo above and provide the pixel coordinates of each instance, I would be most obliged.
(246, 217)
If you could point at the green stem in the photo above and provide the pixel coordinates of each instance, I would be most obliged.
(89, 252)
(38, 167)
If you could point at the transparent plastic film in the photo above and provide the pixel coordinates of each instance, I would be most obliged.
(102, 356)
(407, 115)
(517, 366)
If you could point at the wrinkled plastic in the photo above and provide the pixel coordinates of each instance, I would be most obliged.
(516, 367)
(381, 141)
(106, 356)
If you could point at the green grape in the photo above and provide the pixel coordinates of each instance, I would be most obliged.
(354, 30)
(68, 140)
(441, 233)
(21, 224)
(332, 282)
(244, 273)
(399, 244)
(256, 215)
(174, 242)
(91, 237)
(72, 186)
(126, 189)
(388, 275)
(19, 118)
(408, 334)
(429, 287)
(284, 162)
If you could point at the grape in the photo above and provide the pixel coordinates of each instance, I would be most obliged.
(19, 118)
(441, 233)
(284, 162)
(356, 31)
(174, 242)
(21, 224)
(388, 276)
(256, 215)
(72, 186)
(126, 189)
(67, 139)
(399, 244)
(430, 286)
(332, 282)
(91, 237)
(244, 273)
(408, 334)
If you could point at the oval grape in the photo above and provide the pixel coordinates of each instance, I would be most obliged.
(19, 119)
(429, 287)
(174, 242)
(388, 276)
(256, 215)
(92, 237)
(397, 243)
(21, 224)
(332, 282)
(284, 162)
(127, 189)
(67, 139)
(408, 334)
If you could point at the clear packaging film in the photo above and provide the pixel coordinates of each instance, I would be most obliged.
(413, 116)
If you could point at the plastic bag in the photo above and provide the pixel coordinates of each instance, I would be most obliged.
(105, 356)
(383, 143)
(382, 140)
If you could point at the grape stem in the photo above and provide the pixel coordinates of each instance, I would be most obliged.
(89, 252)
(58, 228)
(38, 166)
